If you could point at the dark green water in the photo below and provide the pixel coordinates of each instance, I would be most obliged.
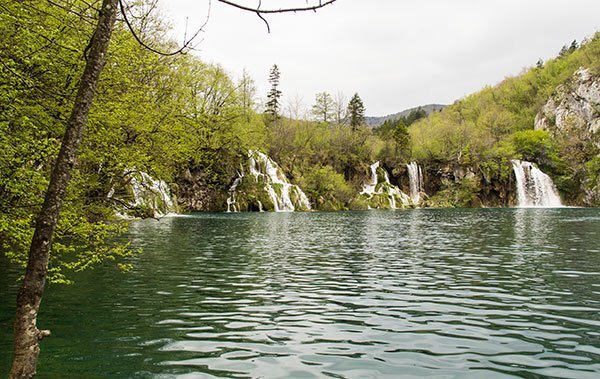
(426, 293)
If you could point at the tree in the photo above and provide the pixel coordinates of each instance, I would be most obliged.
(574, 46)
(274, 94)
(540, 63)
(339, 107)
(26, 333)
(247, 91)
(356, 112)
(295, 108)
(27, 336)
(323, 110)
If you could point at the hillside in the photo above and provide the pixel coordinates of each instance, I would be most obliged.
(483, 132)
(374, 121)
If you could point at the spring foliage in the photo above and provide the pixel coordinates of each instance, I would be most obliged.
(179, 117)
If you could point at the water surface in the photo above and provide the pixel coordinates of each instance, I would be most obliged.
(488, 293)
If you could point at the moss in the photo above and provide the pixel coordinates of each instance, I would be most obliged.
(141, 211)
(463, 194)
(360, 203)
(591, 183)
(278, 188)
(380, 172)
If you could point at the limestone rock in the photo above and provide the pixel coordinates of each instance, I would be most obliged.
(574, 109)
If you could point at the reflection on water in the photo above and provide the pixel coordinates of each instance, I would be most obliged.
(423, 293)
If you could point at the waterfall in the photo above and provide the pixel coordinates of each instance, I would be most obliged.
(382, 192)
(231, 202)
(284, 196)
(415, 176)
(369, 188)
(534, 188)
(143, 196)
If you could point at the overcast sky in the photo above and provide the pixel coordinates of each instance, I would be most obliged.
(396, 54)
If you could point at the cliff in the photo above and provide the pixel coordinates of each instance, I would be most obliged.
(572, 117)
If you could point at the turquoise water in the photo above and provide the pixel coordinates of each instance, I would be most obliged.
(486, 293)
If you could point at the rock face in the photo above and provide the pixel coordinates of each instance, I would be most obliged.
(197, 192)
(574, 110)
(572, 116)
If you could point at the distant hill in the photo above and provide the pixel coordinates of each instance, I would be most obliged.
(429, 108)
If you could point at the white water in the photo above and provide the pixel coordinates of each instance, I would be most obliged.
(231, 201)
(415, 176)
(369, 188)
(534, 187)
(150, 192)
(265, 170)
(374, 187)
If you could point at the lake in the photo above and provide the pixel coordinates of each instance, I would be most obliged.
(463, 293)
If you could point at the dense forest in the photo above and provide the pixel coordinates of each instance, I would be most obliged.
(192, 125)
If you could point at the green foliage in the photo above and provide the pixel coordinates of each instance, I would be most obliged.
(300, 145)
(326, 189)
(476, 123)
(536, 146)
(462, 194)
(592, 183)
(496, 164)
(396, 138)
(168, 116)
(488, 129)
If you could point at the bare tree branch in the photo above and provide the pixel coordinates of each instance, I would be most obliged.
(187, 44)
(260, 12)
(281, 10)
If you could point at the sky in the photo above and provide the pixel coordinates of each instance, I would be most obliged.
(396, 54)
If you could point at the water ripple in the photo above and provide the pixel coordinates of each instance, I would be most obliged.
(424, 293)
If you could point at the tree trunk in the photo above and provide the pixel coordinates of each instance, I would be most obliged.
(26, 334)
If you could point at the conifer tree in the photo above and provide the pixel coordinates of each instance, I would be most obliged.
(272, 106)
(356, 112)
(574, 46)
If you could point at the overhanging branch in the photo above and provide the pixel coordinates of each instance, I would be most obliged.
(187, 44)
(260, 12)
(281, 10)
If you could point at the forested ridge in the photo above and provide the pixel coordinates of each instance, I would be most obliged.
(192, 124)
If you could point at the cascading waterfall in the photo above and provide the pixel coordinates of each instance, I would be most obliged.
(377, 190)
(534, 187)
(231, 202)
(369, 189)
(415, 177)
(152, 193)
(148, 196)
(284, 196)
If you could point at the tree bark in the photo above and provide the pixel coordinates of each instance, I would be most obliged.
(26, 334)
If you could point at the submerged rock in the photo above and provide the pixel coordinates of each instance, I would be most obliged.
(262, 186)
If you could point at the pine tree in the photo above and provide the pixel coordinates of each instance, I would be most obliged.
(272, 106)
(356, 112)
(540, 63)
(574, 46)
